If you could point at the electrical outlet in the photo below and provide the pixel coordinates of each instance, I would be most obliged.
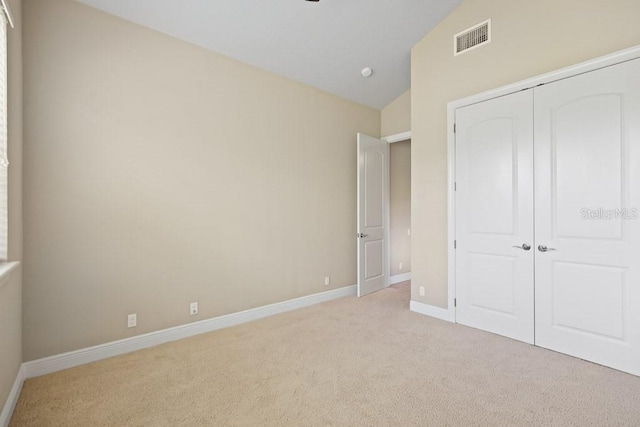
(400, 266)
(193, 308)
(132, 320)
(408, 232)
(421, 291)
(327, 281)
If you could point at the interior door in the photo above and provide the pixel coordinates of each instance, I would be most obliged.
(373, 191)
(494, 216)
(587, 199)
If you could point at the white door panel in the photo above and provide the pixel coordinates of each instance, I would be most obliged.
(494, 213)
(587, 174)
(373, 187)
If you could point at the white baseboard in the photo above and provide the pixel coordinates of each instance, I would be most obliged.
(12, 399)
(432, 311)
(398, 278)
(71, 359)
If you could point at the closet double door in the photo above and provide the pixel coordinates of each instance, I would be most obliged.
(547, 216)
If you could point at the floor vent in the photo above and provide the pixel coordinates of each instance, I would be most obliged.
(472, 38)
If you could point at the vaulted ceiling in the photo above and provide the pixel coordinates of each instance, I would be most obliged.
(325, 44)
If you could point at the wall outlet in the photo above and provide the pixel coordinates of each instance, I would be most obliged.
(193, 308)
(327, 281)
(132, 320)
(421, 291)
(400, 266)
(408, 232)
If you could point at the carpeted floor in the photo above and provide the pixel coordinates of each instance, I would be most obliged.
(349, 362)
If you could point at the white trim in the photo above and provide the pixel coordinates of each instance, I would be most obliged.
(581, 68)
(399, 278)
(71, 359)
(387, 227)
(7, 12)
(563, 73)
(451, 211)
(398, 137)
(12, 399)
(431, 311)
(5, 269)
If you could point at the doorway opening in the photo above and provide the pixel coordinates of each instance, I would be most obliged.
(400, 215)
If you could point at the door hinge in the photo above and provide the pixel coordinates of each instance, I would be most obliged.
(454, 128)
(455, 186)
(455, 302)
(455, 244)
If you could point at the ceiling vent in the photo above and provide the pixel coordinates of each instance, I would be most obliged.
(472, 38)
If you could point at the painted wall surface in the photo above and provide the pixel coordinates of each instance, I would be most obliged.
(528, 39)
(158, 173)
(11, 286)
(10, 333)
(400, 206)
(396, 117)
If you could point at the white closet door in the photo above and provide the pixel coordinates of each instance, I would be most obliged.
(494, 216)
(587, 174)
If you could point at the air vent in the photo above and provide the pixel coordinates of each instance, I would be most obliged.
(472, 38)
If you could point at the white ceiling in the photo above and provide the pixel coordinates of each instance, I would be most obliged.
(324, 44)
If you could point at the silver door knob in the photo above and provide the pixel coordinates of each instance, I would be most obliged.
(543, 248)
(524, 247)
(361, 235)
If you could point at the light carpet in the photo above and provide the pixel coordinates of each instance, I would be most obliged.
(349, 362)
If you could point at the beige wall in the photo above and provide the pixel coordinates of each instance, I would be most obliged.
(396, 117)
(529, 38)
(11, 287)
(400, 206)
(157, 173)
(10, 333)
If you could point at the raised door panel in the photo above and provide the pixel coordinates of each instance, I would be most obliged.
(492, 174)
(374, 189)
(588, 165)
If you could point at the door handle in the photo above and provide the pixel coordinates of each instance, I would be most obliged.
(543, 248)
(361, 235)
(524, 247)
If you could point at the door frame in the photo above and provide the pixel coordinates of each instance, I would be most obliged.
(392, 280)
(563, 73)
